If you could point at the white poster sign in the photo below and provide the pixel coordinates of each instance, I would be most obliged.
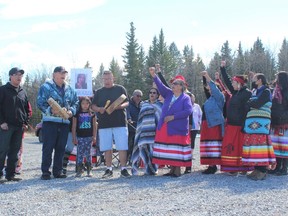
(81, 81)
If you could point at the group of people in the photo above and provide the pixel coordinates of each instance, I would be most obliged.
(252, 118)
(242, 130)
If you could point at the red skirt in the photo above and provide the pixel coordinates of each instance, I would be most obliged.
(210, 144)
(173, 150)
(232, 148)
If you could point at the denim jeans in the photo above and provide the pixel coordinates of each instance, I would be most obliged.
(10, 142)
(54, 138)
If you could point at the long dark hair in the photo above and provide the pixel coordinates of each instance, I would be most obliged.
(282, 80)
(84, 99)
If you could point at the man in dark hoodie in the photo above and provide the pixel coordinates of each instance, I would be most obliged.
(14, 116)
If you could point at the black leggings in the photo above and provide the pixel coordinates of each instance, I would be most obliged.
(193, 134)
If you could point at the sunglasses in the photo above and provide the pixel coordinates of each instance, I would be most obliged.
(175, 83)
(152, 92)
(139, 96)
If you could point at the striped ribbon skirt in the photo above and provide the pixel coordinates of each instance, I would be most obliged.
(172, 150)
(210, 144)
(258, 150)
(279, 138)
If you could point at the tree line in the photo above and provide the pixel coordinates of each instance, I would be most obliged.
(134, 74)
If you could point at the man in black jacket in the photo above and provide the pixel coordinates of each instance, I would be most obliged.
(14, 116)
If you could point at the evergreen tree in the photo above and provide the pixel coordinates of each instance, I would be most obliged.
(226, 55)
(188, 73)
(87, 65)
(283, 57)
(1, 81)
(131, 59)
(97, 81)
(153, 53)
(152, 59)
(176, 57)
(143, 72)
(165, 58)
(239, 62)
(214, 64)
(261, 60)
(196, 86)
(117, 72)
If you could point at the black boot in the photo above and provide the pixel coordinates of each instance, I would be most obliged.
(89, 169)
(278, 167)
(187, 170)
(79, 170)
(283, 170)
(210, 170)
(65, 162)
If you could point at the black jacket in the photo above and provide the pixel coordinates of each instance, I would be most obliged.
(133, 111)
(279, 112)
(236, 111)
(14, 108)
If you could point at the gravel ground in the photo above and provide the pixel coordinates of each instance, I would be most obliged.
(192, 194)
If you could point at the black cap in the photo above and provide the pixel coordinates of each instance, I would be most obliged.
(60, 69)
(15, 70)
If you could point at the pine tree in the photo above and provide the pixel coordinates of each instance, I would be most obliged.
(283, 57)
(226, 56)
(214, 64)
(188, 73)
(239, 62)
(143, 72)
(87, 65)
(97, 81)
(117, 72)
(176, 57)
(165, 58)
(131, 59)
(153, 53)
(261, 60)
(196, 84)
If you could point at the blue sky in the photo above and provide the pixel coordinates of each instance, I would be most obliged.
(70, 32)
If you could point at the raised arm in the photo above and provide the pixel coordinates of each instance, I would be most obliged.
(226, 77)
(164, 90)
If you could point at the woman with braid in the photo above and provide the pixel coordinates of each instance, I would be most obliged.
(279, 123)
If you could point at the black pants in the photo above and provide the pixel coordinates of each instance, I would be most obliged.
(193, 134)
(131, 137)
(10, 143)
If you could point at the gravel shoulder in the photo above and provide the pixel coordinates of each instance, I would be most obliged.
(192, 194)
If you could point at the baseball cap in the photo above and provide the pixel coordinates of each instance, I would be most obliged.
(60, 69)
(15, 70)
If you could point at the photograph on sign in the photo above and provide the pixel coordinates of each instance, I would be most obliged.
(81, 81)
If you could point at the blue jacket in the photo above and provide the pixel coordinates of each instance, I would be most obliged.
(69, 100)
(180, 109)
(213, 107)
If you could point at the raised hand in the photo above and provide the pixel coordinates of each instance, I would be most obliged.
(152, 71)
(157, 66)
